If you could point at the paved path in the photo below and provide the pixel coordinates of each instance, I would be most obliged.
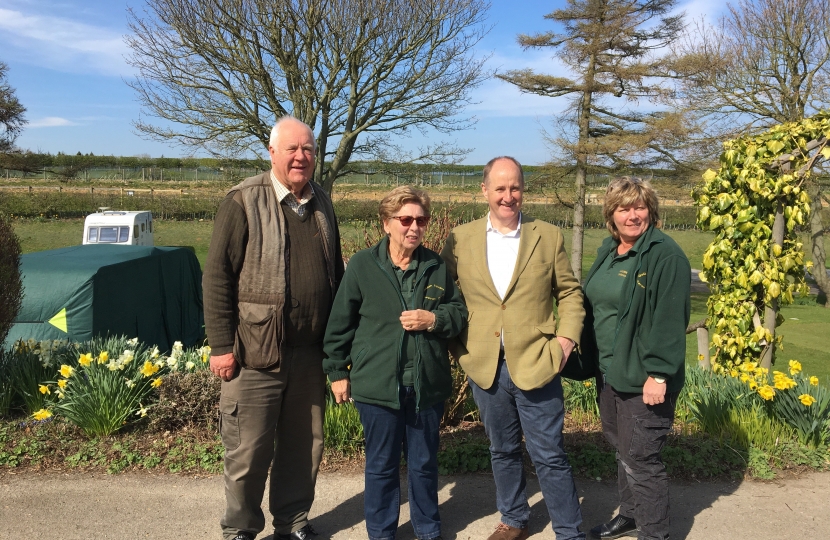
(84, 506)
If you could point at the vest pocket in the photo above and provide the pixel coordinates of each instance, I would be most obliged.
(257, 335)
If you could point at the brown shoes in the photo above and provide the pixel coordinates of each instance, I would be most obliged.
(506, 532)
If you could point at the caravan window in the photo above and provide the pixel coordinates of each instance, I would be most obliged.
(108, 235)
(123, 234)
(92, 236)
(135, 231)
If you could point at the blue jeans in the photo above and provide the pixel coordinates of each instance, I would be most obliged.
(507, 412)
(388, 432)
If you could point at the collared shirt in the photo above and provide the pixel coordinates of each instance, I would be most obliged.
(502, 252)
(283, 193)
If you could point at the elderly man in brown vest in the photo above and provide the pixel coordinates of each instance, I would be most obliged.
(270, 277)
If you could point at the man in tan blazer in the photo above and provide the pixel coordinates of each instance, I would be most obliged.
(511, 268)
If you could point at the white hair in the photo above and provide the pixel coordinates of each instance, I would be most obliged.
(275, 131)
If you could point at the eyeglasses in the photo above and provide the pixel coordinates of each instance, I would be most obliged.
(406, 221)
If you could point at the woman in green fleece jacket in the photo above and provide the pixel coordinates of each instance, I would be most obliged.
(386, 348)
(637, 309)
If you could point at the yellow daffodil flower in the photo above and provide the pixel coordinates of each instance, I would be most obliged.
(67, 371)
(156, 383)
(766, 392)
(806, 399)
(588, 384)
(149, 369)
(129, 383)
(190, 365)
(142, 411)
(62, 383)
(814, 380)
(795, 367)
(85, 359)
(784, 383)
(753, 385)
(103, 357)
(42, 414)
(44, 389)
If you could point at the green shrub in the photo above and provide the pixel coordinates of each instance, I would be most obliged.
(6, 387)
(187, 400)
(11, 284)
(31, 365)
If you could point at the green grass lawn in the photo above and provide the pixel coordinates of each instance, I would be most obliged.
(53, 234)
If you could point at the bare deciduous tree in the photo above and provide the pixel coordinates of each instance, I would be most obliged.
(12, 112)
(611, 48)
(765, 62)
(219, 72)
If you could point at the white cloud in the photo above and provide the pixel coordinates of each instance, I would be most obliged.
(498, 98)
(63, 44)
(50, 121)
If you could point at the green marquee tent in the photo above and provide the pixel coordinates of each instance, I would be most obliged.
(80, 292)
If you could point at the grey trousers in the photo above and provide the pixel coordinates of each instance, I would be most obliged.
(273, 418)
(638, 432)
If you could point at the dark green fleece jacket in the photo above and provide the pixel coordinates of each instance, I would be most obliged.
(650, 336)
(364, 335)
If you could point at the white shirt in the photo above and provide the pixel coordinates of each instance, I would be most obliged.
(502, 252)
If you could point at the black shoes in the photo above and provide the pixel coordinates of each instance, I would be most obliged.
(617, 527)
(243, 536)
(300, 534)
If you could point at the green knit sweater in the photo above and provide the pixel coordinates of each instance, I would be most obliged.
(364, 335)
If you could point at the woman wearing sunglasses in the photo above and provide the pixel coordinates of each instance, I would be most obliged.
(386, 349)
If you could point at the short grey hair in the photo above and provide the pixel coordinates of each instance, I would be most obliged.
(275, 131)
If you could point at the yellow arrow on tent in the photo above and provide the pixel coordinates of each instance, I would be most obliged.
(59, 320)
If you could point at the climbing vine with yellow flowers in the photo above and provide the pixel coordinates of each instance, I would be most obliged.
(755, 203)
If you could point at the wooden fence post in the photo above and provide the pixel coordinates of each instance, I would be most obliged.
(704, 361)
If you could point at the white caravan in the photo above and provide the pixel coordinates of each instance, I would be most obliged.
(119, 227)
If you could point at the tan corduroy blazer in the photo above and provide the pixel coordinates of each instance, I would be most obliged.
(525, 316)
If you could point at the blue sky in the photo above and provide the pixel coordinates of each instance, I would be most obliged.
(66, 60)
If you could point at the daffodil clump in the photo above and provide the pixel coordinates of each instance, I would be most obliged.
(31, 363)
(746, 270)
(188, 360)
(107, 385)
(792, 397)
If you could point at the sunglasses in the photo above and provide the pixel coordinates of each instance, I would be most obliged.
(406, 221)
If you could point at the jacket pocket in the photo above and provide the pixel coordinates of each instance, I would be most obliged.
(258, 335)
(553, 347)
(229, 423)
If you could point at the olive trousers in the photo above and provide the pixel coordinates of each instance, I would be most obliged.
(273, 418)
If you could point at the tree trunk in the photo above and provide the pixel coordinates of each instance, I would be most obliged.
(817, 238)
(771, 311)
(584, 120)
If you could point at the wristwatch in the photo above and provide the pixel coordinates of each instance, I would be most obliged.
(431, 327)
(658, 379)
